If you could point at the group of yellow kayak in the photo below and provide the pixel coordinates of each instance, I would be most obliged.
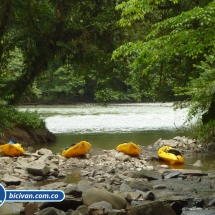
(166, 153)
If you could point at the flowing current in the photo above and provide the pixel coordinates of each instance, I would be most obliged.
(113, 118)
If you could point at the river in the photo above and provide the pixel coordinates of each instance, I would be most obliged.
(107, 126)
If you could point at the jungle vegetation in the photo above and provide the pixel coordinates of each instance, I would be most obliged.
(111, 50)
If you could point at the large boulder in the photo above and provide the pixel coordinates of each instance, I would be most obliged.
(94, 195)
(152, 208)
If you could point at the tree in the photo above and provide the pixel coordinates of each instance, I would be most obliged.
(177, 41)
(173, 45)
(80, 34)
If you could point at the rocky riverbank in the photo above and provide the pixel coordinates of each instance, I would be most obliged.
(108, 182)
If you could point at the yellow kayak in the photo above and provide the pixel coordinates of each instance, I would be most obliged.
(129, 148)
(78, 149)
(170, 155)
(12, 149)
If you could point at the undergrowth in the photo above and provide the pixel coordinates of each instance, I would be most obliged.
(10, 118)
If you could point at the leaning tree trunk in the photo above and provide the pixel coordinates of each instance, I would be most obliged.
(210, 114)
(46, 48)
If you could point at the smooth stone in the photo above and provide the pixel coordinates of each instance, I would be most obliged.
(152, 208)
(11, 180)
(198, 163)
(10, 208)
(102, 206)
(94, 195)
(38, 169)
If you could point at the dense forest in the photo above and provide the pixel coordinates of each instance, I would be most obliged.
(65, 51)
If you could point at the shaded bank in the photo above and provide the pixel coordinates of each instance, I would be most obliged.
(28, 137)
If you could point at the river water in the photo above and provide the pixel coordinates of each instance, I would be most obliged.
(107, 126)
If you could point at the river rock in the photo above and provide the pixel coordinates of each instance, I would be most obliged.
(72, 189)
(54, 186)
(100, 208)
(81, 210)
(198, 163)
(189, 191)
(44, 151)
(38, 169)
(11, 208)
(170, 174)
(68, 203)
(152, 208)
(125, 188)
(31, 208)
(11, 180)
(122, 157)
(94, 195)
(176, 142)
(138, 184)
(150, 175)
(117, 212)
(195, 202)
(49, 211)
(159, 186)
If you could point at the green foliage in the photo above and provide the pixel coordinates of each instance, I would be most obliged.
(200, 93)
(171, 55)
(175, 41)
(200, 90)
(11, 117)
(137, 9)
(29, 120)
(204, 133)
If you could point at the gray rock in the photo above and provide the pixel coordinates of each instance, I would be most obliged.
(65, 205)
(71, 212)
(117, 212)
(53, 186)
(10, 208)
(48, 211)
(31, 208)
(149, 196)
(81, 210)
(96, 151)
(24, 162)
(138, 184)
(125, 188)
(102, 206)
(38, 169)
(198, 163)
(152, 208)
(159, 186)
(150, 175)
(44, 151)
(11, 180)
(94, 195)
(84, 185)
(122, 157)
(38, 178)
(72, 189)
(170, 174)
(189, 191)
(195, 202)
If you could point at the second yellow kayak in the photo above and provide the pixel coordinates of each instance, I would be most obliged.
(78, 149)
(129, 148)
(170, 155)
